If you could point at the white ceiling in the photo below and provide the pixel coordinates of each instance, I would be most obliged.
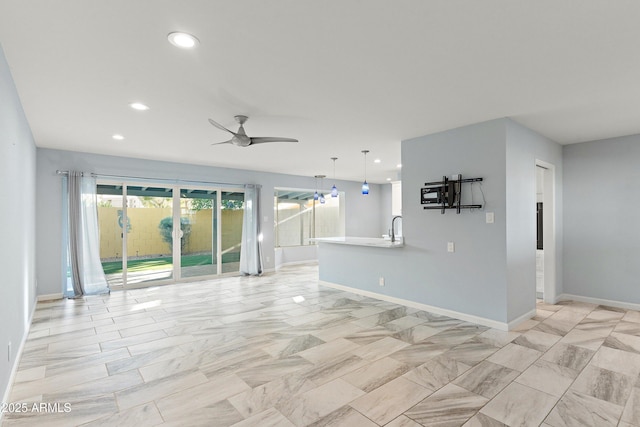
(339, 75)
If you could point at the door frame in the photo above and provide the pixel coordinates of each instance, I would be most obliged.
(176, 276)
(549, 230)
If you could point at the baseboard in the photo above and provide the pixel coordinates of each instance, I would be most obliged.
(287, 264)
(599, 301)
(432, 309)
(16, 362)
(514, 323)
(50, 297)
(554, 300)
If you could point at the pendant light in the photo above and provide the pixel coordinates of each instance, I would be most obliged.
(322, 200)
(315, 195)
(365, 186)
(334, 189)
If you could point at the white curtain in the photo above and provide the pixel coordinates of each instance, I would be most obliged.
(251, 250)
(84, 239)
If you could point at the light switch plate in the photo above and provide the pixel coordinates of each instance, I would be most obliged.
(451, 247)
(490, 218)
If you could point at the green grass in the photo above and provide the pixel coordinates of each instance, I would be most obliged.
(145, 264)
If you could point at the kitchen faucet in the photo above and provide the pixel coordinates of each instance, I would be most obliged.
(393, 231)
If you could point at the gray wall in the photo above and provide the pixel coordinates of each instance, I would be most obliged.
(385, 208)
(363, 213)
(17, 215)
(524, 147)
(602, 205)
(472, 279)
(491, 274)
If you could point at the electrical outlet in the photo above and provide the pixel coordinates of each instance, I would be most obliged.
(381, 281)
(451, 247)
(489, 217)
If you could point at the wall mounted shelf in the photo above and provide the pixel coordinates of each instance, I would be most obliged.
(446, 194)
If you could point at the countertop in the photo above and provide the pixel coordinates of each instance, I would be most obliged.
(376, 242)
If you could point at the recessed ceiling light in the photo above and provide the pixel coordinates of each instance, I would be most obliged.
(182, 40)
(377, 161)
(118, 137)
(388, 179)
(138, 106)
(399, 165)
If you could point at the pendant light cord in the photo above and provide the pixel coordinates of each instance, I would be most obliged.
(365, 164)
(334, 168)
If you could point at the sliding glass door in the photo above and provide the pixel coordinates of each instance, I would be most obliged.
(209, 214)
(199, 216)
(112, 226)
(232, 211)
(150, 234)
(157, 234)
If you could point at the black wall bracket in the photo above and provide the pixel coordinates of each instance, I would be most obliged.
(446, 194)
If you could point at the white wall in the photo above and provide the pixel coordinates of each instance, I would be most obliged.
(295, 255)
(363, 214)
(17, 215)
(602, 231)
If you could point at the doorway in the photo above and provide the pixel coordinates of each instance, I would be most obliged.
(154, 234)
(539, 232)
(545, 232)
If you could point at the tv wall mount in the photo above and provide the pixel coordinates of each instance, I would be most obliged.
(446, 194)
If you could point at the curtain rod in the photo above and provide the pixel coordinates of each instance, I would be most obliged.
(165, 180)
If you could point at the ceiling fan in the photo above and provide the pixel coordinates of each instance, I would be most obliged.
(241, 139)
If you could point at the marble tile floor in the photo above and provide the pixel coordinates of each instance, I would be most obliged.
(240, 351)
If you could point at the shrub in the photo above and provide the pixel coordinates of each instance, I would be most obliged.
(166, 231)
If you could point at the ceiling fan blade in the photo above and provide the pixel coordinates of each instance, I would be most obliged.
(219, 126)
(225, 142)
(263, 139)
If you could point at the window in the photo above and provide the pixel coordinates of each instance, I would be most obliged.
(298, 217)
